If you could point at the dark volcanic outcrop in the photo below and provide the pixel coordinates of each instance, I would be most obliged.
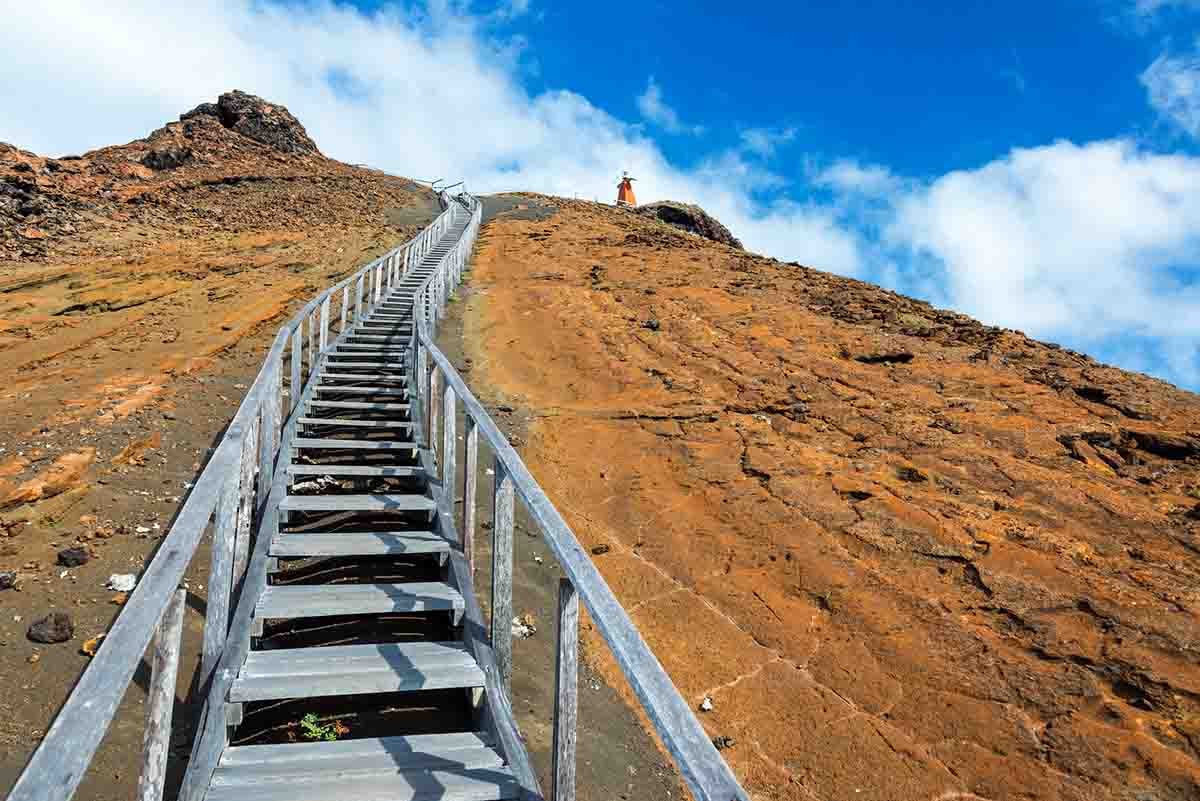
(690, 218)
(255, 118)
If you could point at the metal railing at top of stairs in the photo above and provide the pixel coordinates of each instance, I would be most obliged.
(235, 495)
(699, 763)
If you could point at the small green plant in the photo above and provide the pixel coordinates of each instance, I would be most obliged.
(312, 729)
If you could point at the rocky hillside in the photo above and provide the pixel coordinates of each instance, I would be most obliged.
(904, 555)
(139, 287)
(235, 165)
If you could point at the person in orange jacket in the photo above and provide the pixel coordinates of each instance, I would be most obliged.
(625, 191)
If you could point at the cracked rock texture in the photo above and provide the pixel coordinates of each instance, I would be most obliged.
(907, 555)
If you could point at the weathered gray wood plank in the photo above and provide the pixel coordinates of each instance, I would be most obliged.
(324, 332)
(470, 489)
(220, 577)
(449, 450)
(245, 515)
(566, 692)
(502, 573)
(296, 388)
(160, 701)
(435, 409)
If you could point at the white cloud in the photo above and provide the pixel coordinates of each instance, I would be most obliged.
(765, 141)
(655, 110)
(1093, 244)
(849, 177)
(1173, 86)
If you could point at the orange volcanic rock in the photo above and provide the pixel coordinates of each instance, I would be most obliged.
(906, 555)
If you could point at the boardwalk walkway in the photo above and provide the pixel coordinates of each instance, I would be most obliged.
(342, 566)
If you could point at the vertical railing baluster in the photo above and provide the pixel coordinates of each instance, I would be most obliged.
(245, 517)
(312, 342)
(296, 389)
(160, 701)
(220, 577)
(358, 300)
(449, 450)
(272, 412)
(325, 324)
(566, 692)
(434, 406)
(345, 308)
(502, 573)
(470, 480)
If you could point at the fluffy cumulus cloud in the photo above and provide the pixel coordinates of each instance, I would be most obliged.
(1095, 245)
(1173, 85)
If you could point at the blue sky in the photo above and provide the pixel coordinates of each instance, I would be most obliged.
(1034, 165)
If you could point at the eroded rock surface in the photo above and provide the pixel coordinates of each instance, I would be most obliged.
(691, 218)
(907, 555)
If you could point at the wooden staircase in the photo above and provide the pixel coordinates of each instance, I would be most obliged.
(340, 583)
(360, 493)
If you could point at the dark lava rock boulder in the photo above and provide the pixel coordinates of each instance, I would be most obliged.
(167, 158)
(256, 119)
(54, 627)
(690, 218)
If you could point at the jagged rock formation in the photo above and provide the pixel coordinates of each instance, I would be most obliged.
(690, 218)
(257, 119)
(905, 554)
(173, 174)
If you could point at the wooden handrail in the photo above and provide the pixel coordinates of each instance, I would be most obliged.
(60, 761)
(701, 766)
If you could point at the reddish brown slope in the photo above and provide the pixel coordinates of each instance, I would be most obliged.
(908, 556)
(139, 288)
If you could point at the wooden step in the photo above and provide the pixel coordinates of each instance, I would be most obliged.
(326, 600)
(359, 405)
(327, 374)
(352, 444)
(354, 670)
(356, 543)
(356, 470)
(336, 421)
(383, 365)
(395, 502)
(359, 390)
(432, 767)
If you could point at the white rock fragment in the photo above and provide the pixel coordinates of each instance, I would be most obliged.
(706, 705)
(523, 627)
(121, 582)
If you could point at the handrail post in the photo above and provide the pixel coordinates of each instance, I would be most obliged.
(312, 343)
(448, 451)
(470, 481)
(502, 572)
(433, 407)
(160, 702)
(296, 388)
(220, 577)
(566, 692)
(246, 506)
(358, 299)
(345, 307)
(325, 324)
